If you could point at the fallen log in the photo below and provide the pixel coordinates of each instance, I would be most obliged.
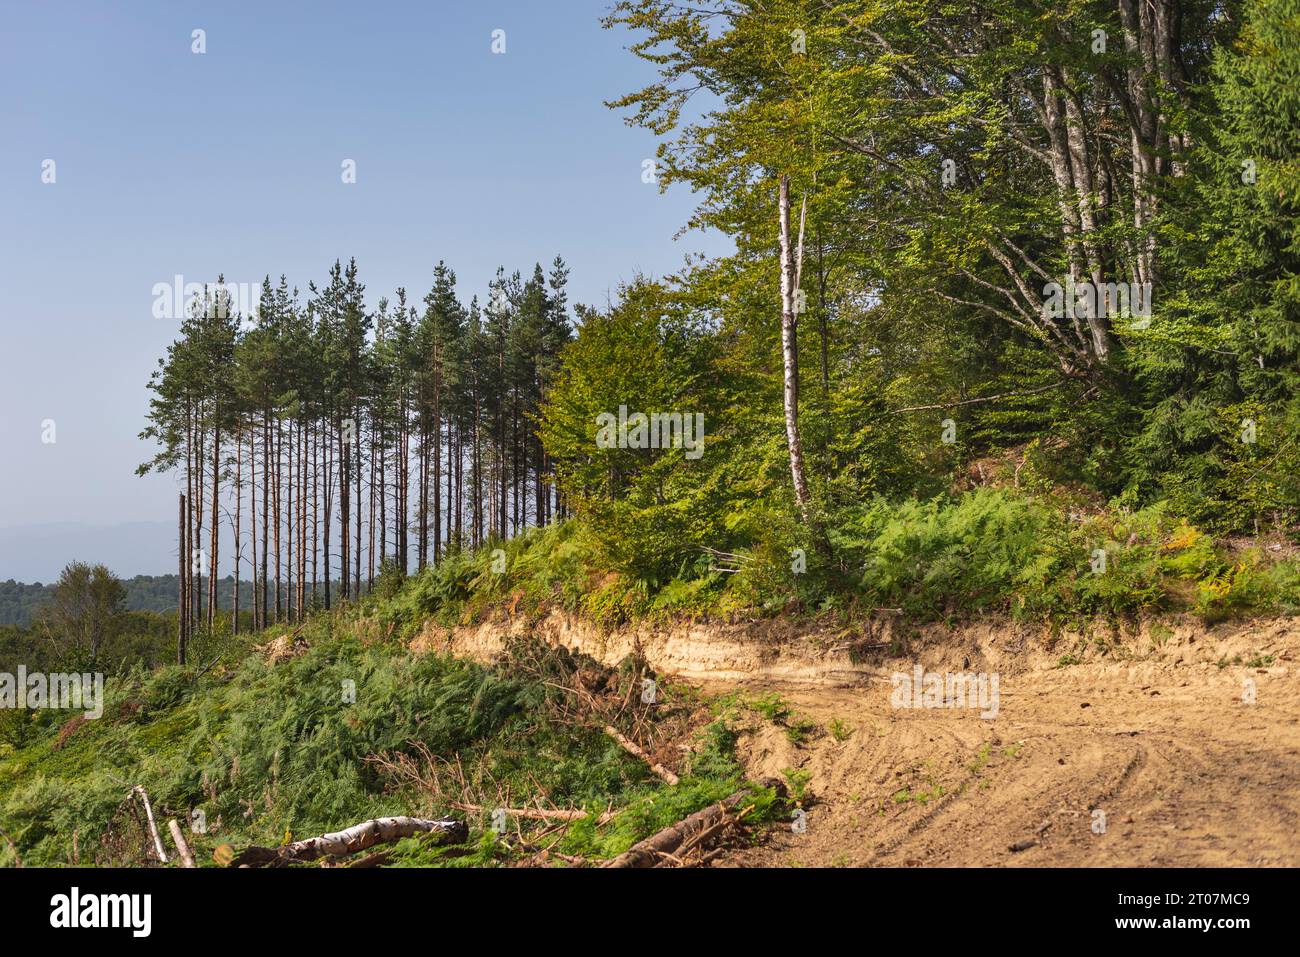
(631, 747)
(534, 814)
(356, 838)
(704, 824)
(182, 848)
(140, 792)
(377, 859)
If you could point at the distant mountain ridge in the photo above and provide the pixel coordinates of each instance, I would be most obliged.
(18, 601)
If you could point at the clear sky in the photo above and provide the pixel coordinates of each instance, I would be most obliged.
(168, 162)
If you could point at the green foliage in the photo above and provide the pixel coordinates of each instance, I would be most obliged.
(270, 748)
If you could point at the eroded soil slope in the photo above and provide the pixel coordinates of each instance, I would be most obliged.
(1185, 771)
(1152, 726)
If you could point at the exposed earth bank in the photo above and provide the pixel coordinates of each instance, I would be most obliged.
(1172, 743)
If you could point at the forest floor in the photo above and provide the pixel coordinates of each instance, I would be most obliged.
(1185, 771)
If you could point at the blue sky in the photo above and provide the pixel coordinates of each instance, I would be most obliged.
(172, 163)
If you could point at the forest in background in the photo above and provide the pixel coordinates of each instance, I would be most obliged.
(19, 602)
(351, 440)
(1011, 325)
(907, 411)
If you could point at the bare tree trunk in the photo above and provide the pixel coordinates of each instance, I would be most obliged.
(181, 551)
(153, 825)
(370, 551)
(290, 523)
(215, 533)
(196, 536)
(1148, 35)
(460, 482)
(789, 348)
(266, 515)
(356, 558)
(437, 467)
(239, 502)
(383, 500)
(328, 480)
(345, 516)
(275, 486)
(252, 490)
(304, 462)
(316, 442)
(477, 468)
(422, 503)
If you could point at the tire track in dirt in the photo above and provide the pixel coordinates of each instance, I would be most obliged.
(1185, 772)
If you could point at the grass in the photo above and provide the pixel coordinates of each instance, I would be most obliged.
(266, 750)
(1000, 551)
(270, 752)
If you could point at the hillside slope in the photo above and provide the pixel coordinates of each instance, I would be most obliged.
(1185, 738)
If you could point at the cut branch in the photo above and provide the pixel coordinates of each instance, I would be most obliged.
(382, 830)
(697, 829)
(182, 848)
(631, 747)
(153, 825)
(535, 813)
(987, 398)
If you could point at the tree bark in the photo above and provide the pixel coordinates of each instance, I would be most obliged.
(631, 747)
(356, 838)
(180, 601)
(182, 848)
(653, 850)
(153, 825)
(789, 350)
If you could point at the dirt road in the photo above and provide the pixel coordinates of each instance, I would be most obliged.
(1159, 743)
(1159, 758)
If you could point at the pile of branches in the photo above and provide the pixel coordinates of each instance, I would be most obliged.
(626, 704)
(696, 839)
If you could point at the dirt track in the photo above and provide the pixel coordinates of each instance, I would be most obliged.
(1186, 772)
(1148, 725)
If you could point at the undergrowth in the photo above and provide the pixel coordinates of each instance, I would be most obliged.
(268, 752)
(1044, 556)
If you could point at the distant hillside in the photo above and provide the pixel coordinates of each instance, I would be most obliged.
(18, 601)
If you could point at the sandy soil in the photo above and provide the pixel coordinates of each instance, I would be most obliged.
(1185, 771)
(1148, 724)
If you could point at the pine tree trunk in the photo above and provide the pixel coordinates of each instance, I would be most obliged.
(181, 551)
(327, 451)
(316, 441)
(252, 518)
(215, 532)
(196, 537)
(356, 559)
(275, 510)
(266, 516)
(290, 521)
(239, 501)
